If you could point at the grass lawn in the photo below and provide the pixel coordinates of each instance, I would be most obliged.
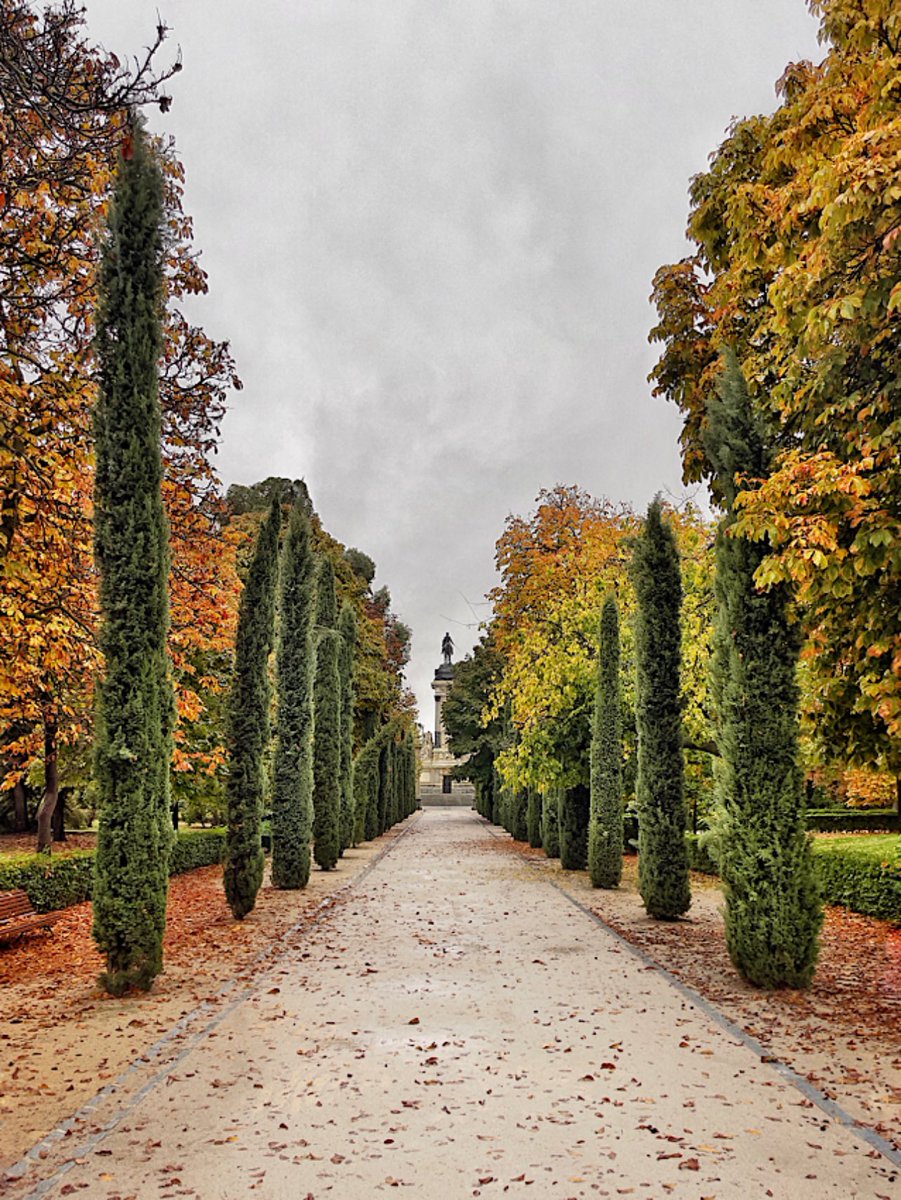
(880, 847)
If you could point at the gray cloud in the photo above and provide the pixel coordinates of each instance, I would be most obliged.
(430, 228)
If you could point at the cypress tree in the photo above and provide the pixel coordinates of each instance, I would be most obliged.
(573, 827)
(550, 823)
(365, 784)
(773, 913)
(517, 826)
(412, 773)
(370, 758)
(384, 787)
(292, 776)
(248, 728)
(533, 817)
(326, 723)
(605, 831)
(347, 629)
(135, 700)
(663, 859)
(394, 811)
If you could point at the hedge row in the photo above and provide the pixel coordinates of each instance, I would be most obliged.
(58, 882)
(878, 820)
(861, 873)
(865, 877)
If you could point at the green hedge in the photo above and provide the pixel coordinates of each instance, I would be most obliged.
(197, 848)
(846, 820)
(861, 873)
(58, 881)
(51, 882)
(857, 872)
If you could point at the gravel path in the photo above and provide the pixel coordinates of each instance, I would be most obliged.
(457, 1027)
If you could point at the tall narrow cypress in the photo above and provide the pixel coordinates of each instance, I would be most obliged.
(605, 829)
(135, 700)
(573, 827)
(365, 763)
(248, 731)
(550, 823)
(663, 859)
(412, 773)
(384, 786)
(292, 781)
(347, 629)
(533, 817)
(326, 723)
(773, 913)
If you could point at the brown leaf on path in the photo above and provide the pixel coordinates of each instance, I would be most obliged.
(689, 1164)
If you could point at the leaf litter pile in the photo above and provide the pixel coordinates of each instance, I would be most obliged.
(62, 1038)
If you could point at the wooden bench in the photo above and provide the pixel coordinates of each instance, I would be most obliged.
(17, 916)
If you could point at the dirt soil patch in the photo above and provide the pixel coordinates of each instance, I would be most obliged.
(62, 1038)
(841, 1034)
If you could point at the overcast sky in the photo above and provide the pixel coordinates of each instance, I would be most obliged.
(430, 228)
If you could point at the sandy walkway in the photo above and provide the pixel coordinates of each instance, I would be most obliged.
(457, 1027)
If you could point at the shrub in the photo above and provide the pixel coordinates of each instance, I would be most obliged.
(197, 848)
(63, 880)
(883, 820)
(51, 882)
(861, 873)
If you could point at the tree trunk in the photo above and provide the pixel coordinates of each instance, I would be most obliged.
(51, 786)
(58, 822)
(20, 811)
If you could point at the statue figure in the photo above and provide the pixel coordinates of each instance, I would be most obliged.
(447, 648)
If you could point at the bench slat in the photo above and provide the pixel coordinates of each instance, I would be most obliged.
(17, 915)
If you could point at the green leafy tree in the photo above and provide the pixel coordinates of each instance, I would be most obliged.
(248, 726)
(605, 833)
(361, 564)
(259, 497)
(326, 723)
(292, 778)
(773, 913)
(663, 861)
(795, 267)
(135, 699)
(471, 733)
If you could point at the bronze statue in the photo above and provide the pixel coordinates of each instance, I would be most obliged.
(447, 648)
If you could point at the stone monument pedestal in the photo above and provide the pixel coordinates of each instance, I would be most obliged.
(436, 784)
